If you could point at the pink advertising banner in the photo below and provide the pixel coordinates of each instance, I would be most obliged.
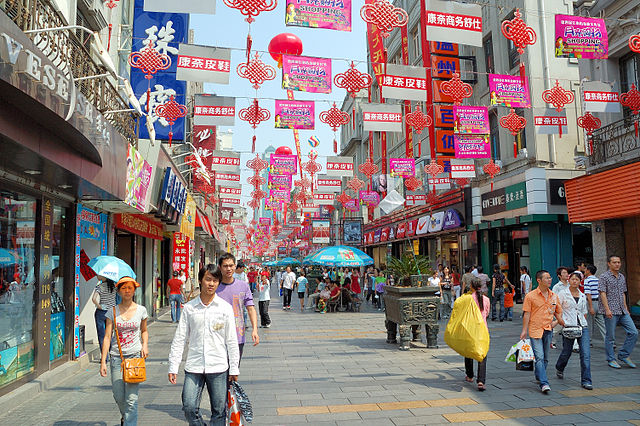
(370, 198)
(306, 74)
(299, 115)
(471, 119)
(274, 205)
(279, 181)
(280, 195)
(578, 37)
(352, 205)
(509, 91)
(283, 164)
(402, 167)
(472, 146)
(329, 14)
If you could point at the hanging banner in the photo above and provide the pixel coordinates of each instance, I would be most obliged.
(454, 22)
(225, 215)
(402, 167)
(578, 37)
(381, 118)
(138, 178)
(509, 91)
(283, 164)
(323, 199)
(415, 198)
(295, 115)
(188, 6)
(279, 181)
(203, 63)
(225, 161)
(340, 166)
(600, 97)
(440, 182)
(352, 205)
(188, 221)
(306, 74)
(471, 119)
(328, 185)
(229, 202)
(550, 122)
(408, 133)
(404, 82)
(180, 252)
(376, 48)
(331, 15)
(370, 198)
(211, 110)
(282, 195)
(226, 177)
(462, 168)
(472, 146)
(321, 231)
(229, 192)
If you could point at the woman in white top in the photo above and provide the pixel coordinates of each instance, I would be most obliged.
(574, 314)
(525, 281)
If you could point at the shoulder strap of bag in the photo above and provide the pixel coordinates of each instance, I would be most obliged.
(115, 326)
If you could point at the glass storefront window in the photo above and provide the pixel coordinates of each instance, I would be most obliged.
(58, 309)
(17, 283)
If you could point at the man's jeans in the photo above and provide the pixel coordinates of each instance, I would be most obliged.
(629, 342)
(101, 319)
(175, 300)
(585, 355)
(541, 349)
(192, 394)
(497, 298)
(596, 320)
(125, 394)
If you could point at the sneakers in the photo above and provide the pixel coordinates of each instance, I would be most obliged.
(553, 346)
(614, 364)
(267, 326)
(559, 374)
(587, 386)
(545, 389)
(627, 361)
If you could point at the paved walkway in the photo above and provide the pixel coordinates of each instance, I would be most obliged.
(336, 369)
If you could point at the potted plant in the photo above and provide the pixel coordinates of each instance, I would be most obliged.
(412, 266)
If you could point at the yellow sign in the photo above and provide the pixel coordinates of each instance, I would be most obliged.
(188, 223)
(416, 247)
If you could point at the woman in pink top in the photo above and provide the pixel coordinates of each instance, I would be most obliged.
(484, 304)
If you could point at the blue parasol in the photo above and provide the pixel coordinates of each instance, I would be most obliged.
(340, 256)
(288, 261)
(111, 267)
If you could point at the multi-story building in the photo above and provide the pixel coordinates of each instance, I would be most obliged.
(608, 197)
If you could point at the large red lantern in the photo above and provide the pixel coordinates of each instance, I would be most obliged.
(284, 44)
(283, 150)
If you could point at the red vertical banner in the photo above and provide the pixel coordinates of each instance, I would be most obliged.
(426, 62)
(181, 252)
(204, 142)
(404, 34)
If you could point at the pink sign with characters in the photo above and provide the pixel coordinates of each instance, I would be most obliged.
(402, 167)
(295, 115)
(472, 146)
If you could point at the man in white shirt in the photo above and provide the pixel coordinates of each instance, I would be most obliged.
(288, 281)
(563, 284)
(213, 357)
(240, 273)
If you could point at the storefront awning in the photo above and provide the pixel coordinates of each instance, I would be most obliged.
(607, 195)
(203, 222)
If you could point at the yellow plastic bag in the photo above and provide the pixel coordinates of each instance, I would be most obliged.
(466, 331)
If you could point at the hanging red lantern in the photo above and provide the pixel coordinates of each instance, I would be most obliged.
(558, 97)
(171, 111)
(491, 169)
(514, 123)
(256, 71)
(335, 146)
(254, 114)
(433, 170)
(631, 100)
(284, 44)
(418, 120)
(456, 89)
(149, 60)
(384, 15)
(352, 80)
(589, 123)
(634, 43)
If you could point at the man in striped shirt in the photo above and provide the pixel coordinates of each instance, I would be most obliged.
(591, 291)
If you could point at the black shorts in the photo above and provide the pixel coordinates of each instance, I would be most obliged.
(301, 295)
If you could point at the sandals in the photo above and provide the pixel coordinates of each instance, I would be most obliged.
(481, 387)
(468, 379)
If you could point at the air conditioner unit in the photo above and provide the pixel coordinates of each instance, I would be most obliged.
(93, 11)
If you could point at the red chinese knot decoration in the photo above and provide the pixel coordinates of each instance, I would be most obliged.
(514, 123)
(462, 182)
(384, 15)
(491, 169)
(149, 61)
(251, 8)
(355, 184)
(433, 170)
(257, 164)
(171, 111)
(368, 168)
(352, 80)
(418, 120)
(634, 43)
(589, 123)
(253, 114)
(311, 166)
(558, 97)
(412, 183)
(256, 71)
(334, 117)
(631, 100)
(518, 32)
(303, 183)
(432, 198)
(456, 88)
(343, 198)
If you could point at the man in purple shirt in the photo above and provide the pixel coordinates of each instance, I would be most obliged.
(238, 294)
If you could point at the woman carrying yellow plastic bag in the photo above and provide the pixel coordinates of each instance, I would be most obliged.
(467, 331)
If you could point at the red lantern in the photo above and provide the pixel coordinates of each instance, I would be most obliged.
(284, 44)
(456, 88)
(514, 123)
(171, 111)
(631, 100)
(589, 123)
(283, 150)
(558, 97)
(491, 169)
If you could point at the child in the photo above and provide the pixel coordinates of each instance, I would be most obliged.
(379, 288)
(264, 288)
(509, 293)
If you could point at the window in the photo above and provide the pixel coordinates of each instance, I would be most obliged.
(521, 138)
(417, 46)
(514, 56)
(628, 76)
(487, 48)
(81, 34)
(495, 135)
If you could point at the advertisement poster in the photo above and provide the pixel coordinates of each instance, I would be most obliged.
(402, 167)
(352, 205)
(578, 37)
(279, 181)
(370, 198)
(138, 178)
(471, 119)
(472, 146)
(508, 90)
(299, 115)
(282, 195)
(57, 336)
(332, 15)
(180, 252)
(321, 231)
(283, 164)
(306, 74)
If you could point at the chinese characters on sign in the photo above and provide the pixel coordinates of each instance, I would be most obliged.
(504, 199)
(454, 22)
(212, 110)
(295, 115)
(340, 166)
(509, 91)
(329, 14)
(306, 74)
(578, 37)
(180, 252)
(203, 63)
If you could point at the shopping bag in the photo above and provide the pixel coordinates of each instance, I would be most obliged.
(466, 332)
(234, 413)
(525, 351)
(243, 402)
(511, 356)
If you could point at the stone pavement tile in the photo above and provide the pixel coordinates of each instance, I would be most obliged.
(377, 399)
(531, 403)
(483, 406)
(348, 395)
(384, 414)
(562, 419)
(317, 409)
(471, 417)
(332, 401)
(415, 421)
(522, 413)
(297, 396)
(450, 402)
(353, 408)
(617, 405)
(430, 411)
(368, 422)
(402, 405)
(511, 422)
(315, 423)
(279, 420)
(620, 397)
(613, 416)
(570, 409)
(634, 422)
(334, 417)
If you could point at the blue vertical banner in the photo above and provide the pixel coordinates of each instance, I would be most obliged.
(167, 30)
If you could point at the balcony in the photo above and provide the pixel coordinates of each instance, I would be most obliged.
(68, 52)
(614, 145)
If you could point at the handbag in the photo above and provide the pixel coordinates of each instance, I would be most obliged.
(133, 369)
(572, 331)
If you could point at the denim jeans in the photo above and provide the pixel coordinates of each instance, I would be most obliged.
(101, 322)
(596, 321)
(446, 303)
(192, 394)
(508, 313)
(541, 349)
(286, 303)
(585, 355)
(175, 300)
(263, 305)
(125, 394)
(629, 342)
(497, 298)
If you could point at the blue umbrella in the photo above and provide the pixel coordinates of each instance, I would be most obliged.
(270, 263)
(7, 257)
(111, 267)
(341, 256)
(288, 261)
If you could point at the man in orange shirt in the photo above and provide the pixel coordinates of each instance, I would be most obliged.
(540, 307)
(174, 288)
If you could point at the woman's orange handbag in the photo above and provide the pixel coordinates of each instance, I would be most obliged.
(133, 369)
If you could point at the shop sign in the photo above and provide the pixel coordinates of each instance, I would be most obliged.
(400, 232)
(436, 222)
(411, 227)
(550, 122)
(557, 195)
(203, 63)
(415, 198)
(188, 222)
(443, 67)
(281, 164)
(600, 97)
(324, 199)
(422, 225)
(340, 166)
(509, 90)
(352, 205)
(329, 185)
(282, 251)
(462, 168)
(472, 146)
(444, 115)
(403, 167)
(581, 37)
(392, 233)
(279, 181)
(312, 75)
(384, 234)
(180, 252)
(440, 182)
(139, 224)
(173, 196)
(225, 215)
(321, 231)
(294, 115)
(225, 161)
(381, 118)
(211, 110)
(230, 191)
(404, 82)
(504, 199)
(377, 234)
(452, 219)
(227, 177)
(454, 22)
(43, 287)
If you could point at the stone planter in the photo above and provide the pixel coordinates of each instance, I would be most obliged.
(407, 310)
